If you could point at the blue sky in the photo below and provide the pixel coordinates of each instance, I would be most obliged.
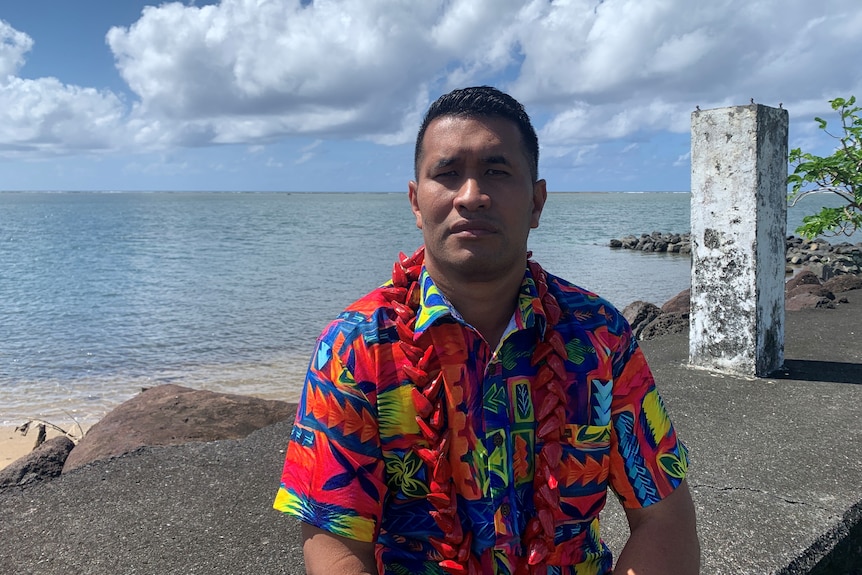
(289, 95)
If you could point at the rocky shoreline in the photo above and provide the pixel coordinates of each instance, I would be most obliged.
(820, 272)
(819, 256)
(655, 242)
(159, 416)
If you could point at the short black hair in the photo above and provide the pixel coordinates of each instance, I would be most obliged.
(482, 102)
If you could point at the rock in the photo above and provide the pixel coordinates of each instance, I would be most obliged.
(654, 242)
(818, 245)
(44, 462)
(680, 303)
(173, 415)
(630, 242)
(805, 277)
(807, 301)
(840, 265)
(807, 283)
(843, 283)
(639, 314)
(817, 269)
(812, 289)
(676, 322)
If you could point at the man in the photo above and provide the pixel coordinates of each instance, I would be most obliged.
(469, 415)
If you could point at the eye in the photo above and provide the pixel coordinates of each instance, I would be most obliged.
(446, 174)
(496, 173)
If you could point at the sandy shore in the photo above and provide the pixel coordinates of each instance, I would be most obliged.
(14, 444)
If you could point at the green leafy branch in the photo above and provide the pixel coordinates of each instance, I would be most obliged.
(839, 174)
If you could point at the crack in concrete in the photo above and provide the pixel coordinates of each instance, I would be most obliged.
(760, 492)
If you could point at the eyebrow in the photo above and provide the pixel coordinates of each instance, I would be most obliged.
(443, 163)
(495, 160)
(446, 162)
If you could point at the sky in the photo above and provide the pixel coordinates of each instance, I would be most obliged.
(327, 95)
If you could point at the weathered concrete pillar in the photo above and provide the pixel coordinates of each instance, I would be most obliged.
(738, 226)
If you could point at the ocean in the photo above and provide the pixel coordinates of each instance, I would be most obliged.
(102, 294)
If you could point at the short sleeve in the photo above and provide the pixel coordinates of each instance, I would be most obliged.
(333, 470)
(648, 462)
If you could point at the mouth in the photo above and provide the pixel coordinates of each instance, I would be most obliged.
(472, 228)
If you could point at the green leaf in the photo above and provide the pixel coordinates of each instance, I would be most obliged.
(839, 173)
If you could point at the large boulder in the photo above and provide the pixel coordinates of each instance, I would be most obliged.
(806, 291)
(173, 415)
(666, 323)
(843, 283)
(812, 289)
(639, 314)
(805, 277)
(680, 303)
(44, 462)
(807, 300)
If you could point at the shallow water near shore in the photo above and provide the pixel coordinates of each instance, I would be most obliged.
(102, 294)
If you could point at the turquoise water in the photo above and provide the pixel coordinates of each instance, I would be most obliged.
(104, 293)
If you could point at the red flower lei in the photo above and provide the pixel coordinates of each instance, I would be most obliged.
(548, 394)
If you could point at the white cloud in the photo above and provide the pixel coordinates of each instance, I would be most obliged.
(273, 163)
(255, 71)
(630, 66)
(46, 116)
(13, 46)
(246, 70)
(308, 152)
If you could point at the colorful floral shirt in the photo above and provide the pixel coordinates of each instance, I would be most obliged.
(351, 469)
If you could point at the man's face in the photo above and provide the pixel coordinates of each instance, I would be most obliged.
(474, 200)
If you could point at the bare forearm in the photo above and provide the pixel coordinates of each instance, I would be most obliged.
(328, 554)
(663, 539)
(659, 554)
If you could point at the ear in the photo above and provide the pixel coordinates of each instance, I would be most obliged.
(412, 189)
(540, 194)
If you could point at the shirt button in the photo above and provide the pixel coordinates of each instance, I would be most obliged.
(498, 439)
(505, 509)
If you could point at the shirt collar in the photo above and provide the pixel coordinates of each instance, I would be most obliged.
(433, 305)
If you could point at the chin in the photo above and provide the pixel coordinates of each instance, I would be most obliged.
(480, 267)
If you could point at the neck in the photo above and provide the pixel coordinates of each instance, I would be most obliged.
(486, 305)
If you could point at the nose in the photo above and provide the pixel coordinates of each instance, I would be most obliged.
(471, 197)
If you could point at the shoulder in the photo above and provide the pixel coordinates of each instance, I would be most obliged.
(574, 298)
(586, 308)
(369, 320)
